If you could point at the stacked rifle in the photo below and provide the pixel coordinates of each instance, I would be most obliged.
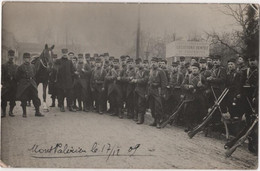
(208, 117)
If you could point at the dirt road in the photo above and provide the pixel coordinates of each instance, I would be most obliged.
(117, 144)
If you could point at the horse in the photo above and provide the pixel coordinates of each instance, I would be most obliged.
(43, 65)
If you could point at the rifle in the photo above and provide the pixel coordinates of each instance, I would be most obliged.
(224, 120)
(241, 140)
(175, 114)
(198, 128)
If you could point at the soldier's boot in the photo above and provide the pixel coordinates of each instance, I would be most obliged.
(72, 109)
(120, 115)
(11, 111)
(24, 111)
(135, 116)
(154, 123)
(158, 125)
(37, 112)
(85, 108)
(140, 118)
(53, 102)
(100, 109)
(80, 106)
(4, 112)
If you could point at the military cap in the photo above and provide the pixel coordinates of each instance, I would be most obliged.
(107, 62)
(145, 61)
(80, 55)
(101, 55)
(174, 64)
(232, 60)
(71, 53)
(138, 60)
(164, 60)
(106, 54)
(55, 56)
(159, 59)
(11, 53)
(130, 60)
(127, 56)
(74, 57)
(87, 55)
(210, 56)
(196, 65)
(203, 61)
(182, 58)
(98, 60)
(216, 57)
(241, 56)
(195, 58)
(122, 57)
(116, 60)
(155, 59)
(253, 58)
(26, 55)
(95, 55)
(64, 51)
(92, 59)
(111, 58)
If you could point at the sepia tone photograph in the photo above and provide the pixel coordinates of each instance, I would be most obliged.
(100, 85)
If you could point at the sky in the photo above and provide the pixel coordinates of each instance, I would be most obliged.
(108, 27)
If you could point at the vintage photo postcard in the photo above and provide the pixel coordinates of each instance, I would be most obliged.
(129, 85)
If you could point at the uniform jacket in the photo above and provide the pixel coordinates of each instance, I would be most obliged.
(97, 81)
(219, 77)
(25, 78)
(8, 77)
(84, 76)
(142, 77)
(65, 73)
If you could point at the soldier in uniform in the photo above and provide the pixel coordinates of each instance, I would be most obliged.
(141, 80)
(157, 84)
(71, 56)
(87, 58)
(130, 74)
(176, 79)
(209, 62)
(182, 65)
(106, 56)
(81, 82)
(9, 84)
(115, 96)
(123, 84)
(217, 82)
(91, 100)
(233, 83)
(194, 108)
(65, 73)
(27, 87)
(53, 81)
(241, 64)
(97, 84)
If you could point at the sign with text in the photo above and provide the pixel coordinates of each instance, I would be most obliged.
(187, 49)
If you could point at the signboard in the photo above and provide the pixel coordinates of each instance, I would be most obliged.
(187, 49)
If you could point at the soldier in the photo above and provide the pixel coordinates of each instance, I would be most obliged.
(71, 55)
(141, 80)
(53, 81)
(97, 84)
(91, 100)
(123, 60)
(182, 65)
(193, 60)
(74, 60)
(233, 83)
(106, 56)
(176, 79)
(146, 64)
(209, 62)
(65, 73)
(157, 84)
(115, 96)
(123, 83)
(241, 64)
(81, 82)
(27, 87)
(9, 84)
(217, 82)
(111, 59)
(87, 58)
(130, 74)
(194, 108)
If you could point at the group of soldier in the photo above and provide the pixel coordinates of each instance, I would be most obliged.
(122, 85)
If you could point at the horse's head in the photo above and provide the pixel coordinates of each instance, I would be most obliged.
(46, 55)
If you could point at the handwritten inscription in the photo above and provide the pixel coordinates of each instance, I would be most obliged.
(60, 150)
